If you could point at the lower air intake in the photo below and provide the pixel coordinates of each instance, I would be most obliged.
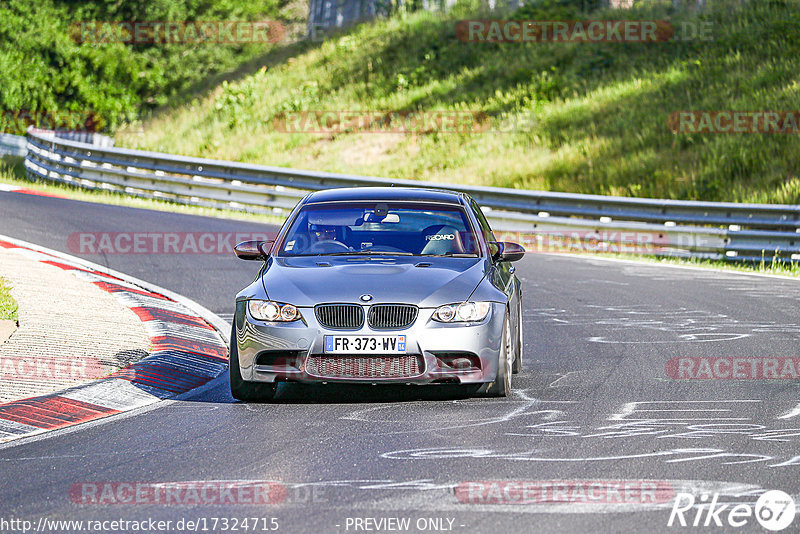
(365, 366)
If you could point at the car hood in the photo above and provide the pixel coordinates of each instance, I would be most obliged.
(424, 281)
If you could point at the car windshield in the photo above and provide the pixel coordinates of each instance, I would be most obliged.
(380, 228)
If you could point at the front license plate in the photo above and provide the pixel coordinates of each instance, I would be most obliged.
(365, 344)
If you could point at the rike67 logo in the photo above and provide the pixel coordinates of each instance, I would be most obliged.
(774, 510)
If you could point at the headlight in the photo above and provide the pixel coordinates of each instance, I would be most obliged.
(266, 310)
(463, 312)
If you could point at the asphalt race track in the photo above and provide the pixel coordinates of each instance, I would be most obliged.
(595, 402)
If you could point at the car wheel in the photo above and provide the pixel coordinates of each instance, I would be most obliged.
(240, 389)
(517, 367)
(501, 387)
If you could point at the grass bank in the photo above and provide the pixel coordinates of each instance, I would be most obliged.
(584, 117)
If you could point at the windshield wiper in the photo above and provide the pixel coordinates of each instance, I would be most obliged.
(451, 255)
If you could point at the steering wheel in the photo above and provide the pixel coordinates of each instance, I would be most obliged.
(329, 245)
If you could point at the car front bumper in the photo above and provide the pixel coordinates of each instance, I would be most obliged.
(270, 351)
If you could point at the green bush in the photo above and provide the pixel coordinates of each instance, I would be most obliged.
(557, 9)
(47, 75)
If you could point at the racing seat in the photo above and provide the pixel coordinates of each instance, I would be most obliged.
(442, 239)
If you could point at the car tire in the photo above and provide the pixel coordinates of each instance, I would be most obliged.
(501, 386)
(241, 389)
(517, 367)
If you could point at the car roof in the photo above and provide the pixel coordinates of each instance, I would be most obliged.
(385, 193)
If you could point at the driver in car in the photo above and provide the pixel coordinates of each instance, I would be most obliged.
(322, 232)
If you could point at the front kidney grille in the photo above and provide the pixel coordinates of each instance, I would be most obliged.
(391, 316)
(343, 316)
(401, 366)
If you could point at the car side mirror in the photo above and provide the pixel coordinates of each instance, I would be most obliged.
(253, 250)
(506, 251)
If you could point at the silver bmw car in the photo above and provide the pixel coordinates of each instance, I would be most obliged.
(379, 285)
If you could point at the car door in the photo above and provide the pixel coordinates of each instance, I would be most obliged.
(502, 275)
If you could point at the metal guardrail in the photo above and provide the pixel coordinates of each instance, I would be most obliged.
(542, 220)
(17, 145)
(13, 145)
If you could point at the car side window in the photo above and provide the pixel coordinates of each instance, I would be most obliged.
(485, 228)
